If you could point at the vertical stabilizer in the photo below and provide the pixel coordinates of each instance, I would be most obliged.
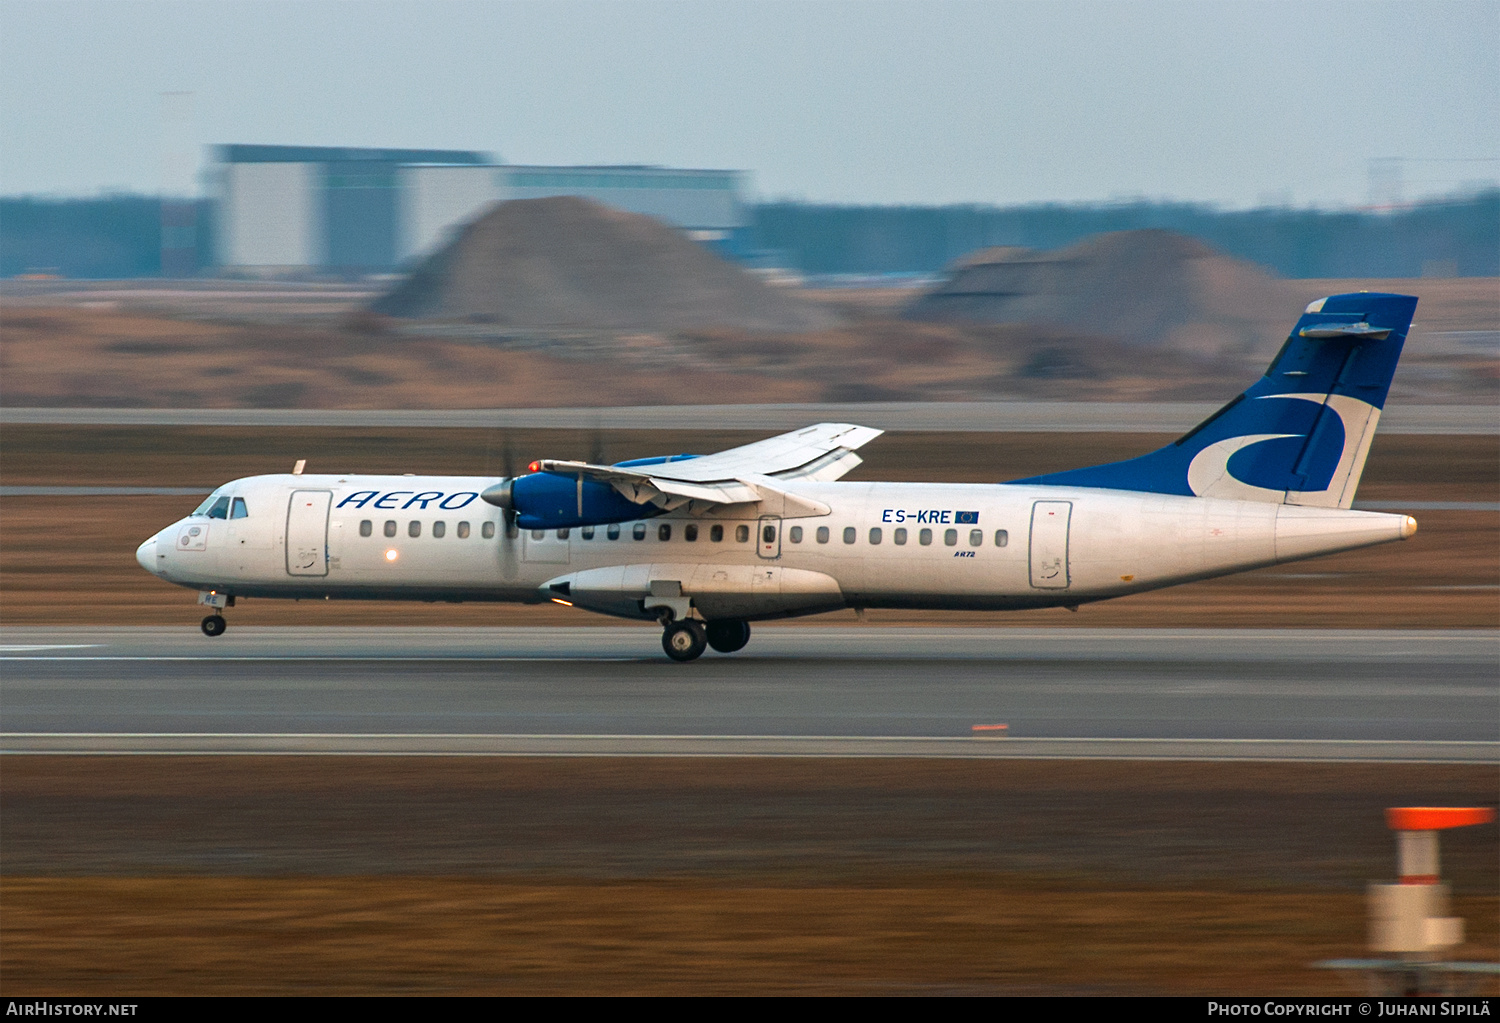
(1300, 435)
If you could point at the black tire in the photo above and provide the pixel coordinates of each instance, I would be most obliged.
(684, 641)
(214, 625)
(729, 635)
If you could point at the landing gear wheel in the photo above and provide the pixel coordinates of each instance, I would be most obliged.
(214, 625)
(729, 635)
(684, 640)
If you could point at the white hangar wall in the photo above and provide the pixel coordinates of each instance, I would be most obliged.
(269, 216)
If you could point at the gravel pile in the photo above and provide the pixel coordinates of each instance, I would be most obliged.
(1154, 288)
(571, 262)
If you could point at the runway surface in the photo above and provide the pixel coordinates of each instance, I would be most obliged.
(803, 691)
(976, 416)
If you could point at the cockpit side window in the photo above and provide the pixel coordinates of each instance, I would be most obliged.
(208, 502)
(220, 509)
(239, 511)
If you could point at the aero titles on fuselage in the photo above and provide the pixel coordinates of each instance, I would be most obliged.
(392, 500)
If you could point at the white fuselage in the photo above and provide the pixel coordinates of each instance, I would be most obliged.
(891, 545)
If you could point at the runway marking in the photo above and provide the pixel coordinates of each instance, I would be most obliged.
(482, 658)
(751, 746)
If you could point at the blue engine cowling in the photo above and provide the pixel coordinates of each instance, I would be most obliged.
(546, 500)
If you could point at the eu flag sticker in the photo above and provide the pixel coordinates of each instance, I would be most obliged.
(962, 517)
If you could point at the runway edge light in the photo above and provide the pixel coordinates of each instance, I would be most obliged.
(1410, 918)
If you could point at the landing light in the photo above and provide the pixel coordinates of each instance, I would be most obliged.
(391, 555)
(564, 603)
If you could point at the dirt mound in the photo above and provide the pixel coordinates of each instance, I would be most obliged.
(1153, 288)
(570, 262)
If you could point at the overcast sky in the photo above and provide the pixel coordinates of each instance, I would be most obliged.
(871, 102)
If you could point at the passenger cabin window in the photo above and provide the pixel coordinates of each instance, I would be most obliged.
(850, 533)
(366, 528)
(742, 534)
(1002, 538)
(414, 528)
(587, 532)
(794, 534)
(875, 535)
(664, 532)
(220, 509)
(239, 511)
(822, 534)
(463, 530)
(925, 538)
(638, 531)
(390, 527)
(439, 529)
(538, 534)
(716, 534)
(487, 530)
(899, 537)
(613, 532)
(690, 533)
(562, 534)
(768, 534)
(976, 537)
(950, 537)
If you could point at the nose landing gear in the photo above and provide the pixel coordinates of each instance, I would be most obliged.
(214, 624)
(684, 640)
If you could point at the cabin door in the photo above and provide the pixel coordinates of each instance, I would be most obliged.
(307, 532)
(1049, 544)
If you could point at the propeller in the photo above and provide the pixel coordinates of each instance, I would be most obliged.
(500, 494)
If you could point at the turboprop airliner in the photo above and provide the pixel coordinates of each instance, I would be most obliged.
(707, 544)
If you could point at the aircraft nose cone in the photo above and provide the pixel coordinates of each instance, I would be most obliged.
(146, 555)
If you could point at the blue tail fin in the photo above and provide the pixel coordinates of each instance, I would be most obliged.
(1300, 434)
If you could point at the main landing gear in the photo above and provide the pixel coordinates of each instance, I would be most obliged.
(214, 625)
(728, 636)
(684, 640)
(687, 638)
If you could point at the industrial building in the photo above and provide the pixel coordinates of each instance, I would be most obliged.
(286, 210)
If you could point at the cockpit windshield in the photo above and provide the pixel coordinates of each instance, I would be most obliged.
(216, 507)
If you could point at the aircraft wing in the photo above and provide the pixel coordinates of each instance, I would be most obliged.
(821, 452)
(644, 487)
(808, 453)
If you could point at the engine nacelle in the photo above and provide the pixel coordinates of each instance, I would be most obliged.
(544, 500)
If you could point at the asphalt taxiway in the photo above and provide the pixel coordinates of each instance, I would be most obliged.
(1417, 695)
